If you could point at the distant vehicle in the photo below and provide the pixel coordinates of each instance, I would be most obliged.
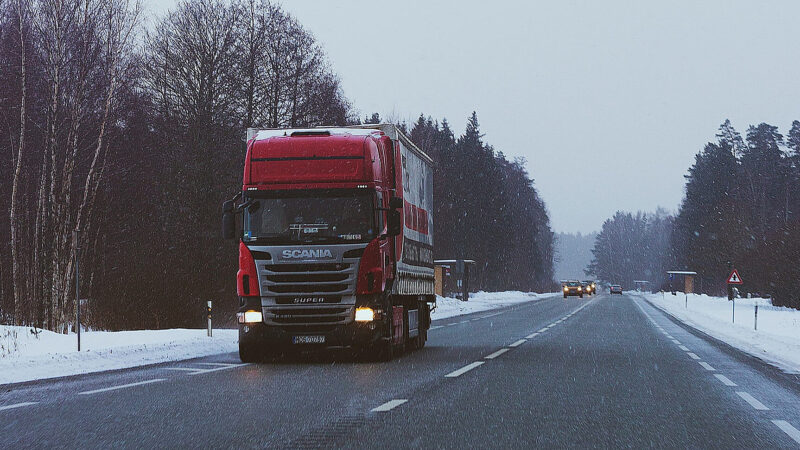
(573, 288)
(615, 289)
(589, 287)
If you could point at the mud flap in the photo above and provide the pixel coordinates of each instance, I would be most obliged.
(397, 325)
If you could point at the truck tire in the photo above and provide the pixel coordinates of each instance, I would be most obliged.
(249, 353)
(580, 295)
(565, 295)
(381, 351)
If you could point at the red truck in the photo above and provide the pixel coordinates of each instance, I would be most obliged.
(335, 242)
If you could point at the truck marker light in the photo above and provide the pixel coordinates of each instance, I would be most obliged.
(365, 314)
(250, 317)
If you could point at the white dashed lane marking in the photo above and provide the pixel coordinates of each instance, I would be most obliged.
(693, 356)
(464, 369)
(787, 428)
(497, 353)
(684, 348)
(435, 327)
(518, 343)
(17, 405)
(122, 386)
(725, 380)
(752, 401)
(706, 366)
(542, 330)
(391, 404)
(532, 335)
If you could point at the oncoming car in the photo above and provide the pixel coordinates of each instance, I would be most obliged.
(615, 289)
(589, 287)
(572, 288)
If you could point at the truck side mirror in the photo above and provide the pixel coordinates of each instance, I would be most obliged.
(228, 220)
(395, 203)
(394, 223)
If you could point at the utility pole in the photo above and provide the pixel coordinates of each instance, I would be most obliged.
(76, 236)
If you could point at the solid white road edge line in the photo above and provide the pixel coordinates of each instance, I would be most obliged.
(518, 343)
(464, 369)
(706, 366)
(17, 405)
(391, 404)
(435, 327)
(542, 330)
(532, 335)
(122, 386)
(752, 401)
(725, 380)
(496, 354)
(787, 428)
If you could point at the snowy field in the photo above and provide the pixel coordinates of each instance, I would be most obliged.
(482, 301)
(25, 356)
(776, 341)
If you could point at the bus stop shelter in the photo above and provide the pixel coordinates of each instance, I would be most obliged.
(452, 277)
(688, 280)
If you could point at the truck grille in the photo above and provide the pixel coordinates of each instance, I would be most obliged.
(308, 279)
(287, 287)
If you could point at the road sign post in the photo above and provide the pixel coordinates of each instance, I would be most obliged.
(733, 278)
(76, 236)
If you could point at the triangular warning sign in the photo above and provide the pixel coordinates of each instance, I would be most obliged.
(735, 278)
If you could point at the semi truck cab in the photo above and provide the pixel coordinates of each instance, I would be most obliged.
(335, 242)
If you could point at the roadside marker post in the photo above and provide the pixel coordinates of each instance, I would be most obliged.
(755, 321)
(208, 313)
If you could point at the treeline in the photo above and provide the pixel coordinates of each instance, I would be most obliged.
(632, 247)
(136, 136)
(741, 208)
(486, 209)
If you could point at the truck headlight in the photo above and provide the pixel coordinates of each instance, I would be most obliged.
(364, 314)
(250, 317)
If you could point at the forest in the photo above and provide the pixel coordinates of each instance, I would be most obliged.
(133, 135)
(741, 208)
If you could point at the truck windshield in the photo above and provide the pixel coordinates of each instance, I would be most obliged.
(310, 217)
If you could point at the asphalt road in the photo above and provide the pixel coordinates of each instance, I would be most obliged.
(605, 372)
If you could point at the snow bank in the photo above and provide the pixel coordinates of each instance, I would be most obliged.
(776, 341)
(25, 355)
(482, 301)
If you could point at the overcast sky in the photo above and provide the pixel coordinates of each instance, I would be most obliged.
(608, 101)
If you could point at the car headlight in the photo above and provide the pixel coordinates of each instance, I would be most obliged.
(580, 288)
(566, 289)
(364, 314)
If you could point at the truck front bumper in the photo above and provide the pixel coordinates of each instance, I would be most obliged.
(281, 339)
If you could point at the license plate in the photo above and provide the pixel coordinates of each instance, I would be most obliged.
(308, 339)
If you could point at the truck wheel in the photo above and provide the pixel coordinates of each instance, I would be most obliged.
(581, 295)
(249, 353)
(382, 351)
(565, 295)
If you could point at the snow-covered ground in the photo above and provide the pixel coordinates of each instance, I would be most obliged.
(776, 341)
(482, 301)
(25, 356)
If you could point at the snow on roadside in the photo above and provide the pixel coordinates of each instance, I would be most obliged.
(28, 356)
(777, 340)
(482, 301)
